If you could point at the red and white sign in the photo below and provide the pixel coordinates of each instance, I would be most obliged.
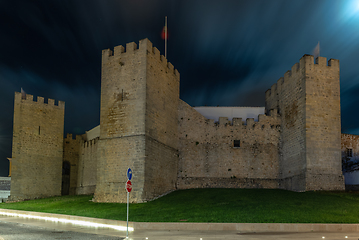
(128, 186)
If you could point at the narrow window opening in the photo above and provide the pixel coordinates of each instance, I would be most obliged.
(237, 143)
(349, 152)
(122, 95)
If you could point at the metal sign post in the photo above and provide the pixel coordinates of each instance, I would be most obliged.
(128, 189)
(128, 194)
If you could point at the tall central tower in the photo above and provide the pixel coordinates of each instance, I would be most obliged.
(139, 102)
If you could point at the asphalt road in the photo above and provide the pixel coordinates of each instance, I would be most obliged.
(19, 231)
(15, 228)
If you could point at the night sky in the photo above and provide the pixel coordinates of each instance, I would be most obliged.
(227, 52)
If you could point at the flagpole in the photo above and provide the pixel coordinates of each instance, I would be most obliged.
(166, 37)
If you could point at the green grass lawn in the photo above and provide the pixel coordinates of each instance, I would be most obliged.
(213, 205)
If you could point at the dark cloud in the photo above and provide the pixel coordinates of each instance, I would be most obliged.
(228, 52)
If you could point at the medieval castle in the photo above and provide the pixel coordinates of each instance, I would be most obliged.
(295, 144)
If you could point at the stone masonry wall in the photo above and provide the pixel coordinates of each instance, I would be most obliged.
(310, 129)
(208, 157)
(162, 96)
(37, 148)
(71, 155)
(87, 169)
(126, 152)
(323, 125)
(160, 169)
(139, 98)
(288, 97)
(122, 120)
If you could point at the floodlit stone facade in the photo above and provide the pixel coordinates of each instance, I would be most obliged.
(208, 156)
(308, 101)
(37, 152)
(295, 145)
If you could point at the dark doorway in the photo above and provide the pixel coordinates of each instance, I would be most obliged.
(65, 188)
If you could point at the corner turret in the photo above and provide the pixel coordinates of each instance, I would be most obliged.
(307, 99)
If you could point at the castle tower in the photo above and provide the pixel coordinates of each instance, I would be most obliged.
(308, 101)
(139, 124)
(37, 148)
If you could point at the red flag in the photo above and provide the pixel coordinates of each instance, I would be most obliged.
(164, 33)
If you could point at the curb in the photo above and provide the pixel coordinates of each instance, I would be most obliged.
(249, 227)
(241, 227)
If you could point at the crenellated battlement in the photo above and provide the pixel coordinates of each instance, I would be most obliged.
(306, 64)
(144, 47)
(40, 100)
(69, 137)
(271, 121)
(90, 143)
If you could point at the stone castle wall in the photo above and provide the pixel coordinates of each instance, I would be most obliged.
(122, 121)
(138, 129)
(288, 97)
(87, 168)
(209, 158)
(169, 145)
(37, 148)
(71, 155)
(323, 125)
(308, 100)
(162, 96)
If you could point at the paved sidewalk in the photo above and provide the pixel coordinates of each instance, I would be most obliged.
(177, 231)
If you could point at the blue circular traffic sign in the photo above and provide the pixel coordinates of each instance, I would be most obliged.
(129, 174)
